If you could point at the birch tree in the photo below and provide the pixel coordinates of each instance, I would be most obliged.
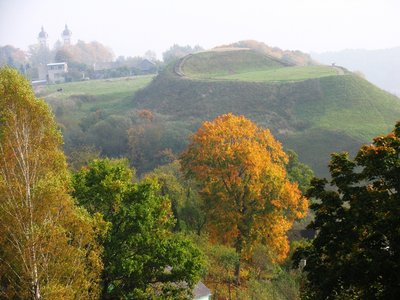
(48, 247)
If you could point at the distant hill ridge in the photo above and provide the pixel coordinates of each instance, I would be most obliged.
(213, 64)
(245, 64)
(291, 57)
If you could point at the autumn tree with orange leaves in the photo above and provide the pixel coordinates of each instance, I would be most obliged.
(240, 169)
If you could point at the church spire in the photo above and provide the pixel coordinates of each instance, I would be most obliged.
(42, 37)
(66, 35)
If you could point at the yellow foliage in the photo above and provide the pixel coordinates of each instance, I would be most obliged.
(241, 170)
(48, 245)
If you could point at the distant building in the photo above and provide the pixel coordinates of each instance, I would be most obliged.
(66, 35)
(52, 72)
(201, 292)
(42, 72)
(56, 72)
(147, 66)
(42, 38)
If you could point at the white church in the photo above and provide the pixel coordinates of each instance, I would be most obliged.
(54, 72)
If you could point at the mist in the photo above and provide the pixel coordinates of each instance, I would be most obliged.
(131, 28)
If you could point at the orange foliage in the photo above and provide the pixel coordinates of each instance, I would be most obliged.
(241, 171)
(146, 114)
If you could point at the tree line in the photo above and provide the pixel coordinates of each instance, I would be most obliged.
(92, 59)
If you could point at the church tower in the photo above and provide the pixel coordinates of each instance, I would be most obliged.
(66, 35)
(42, 37)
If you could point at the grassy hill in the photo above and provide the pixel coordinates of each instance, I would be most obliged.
(78, 99)
(248, 65)
(214, 64)
(314, 110)
(296, 73)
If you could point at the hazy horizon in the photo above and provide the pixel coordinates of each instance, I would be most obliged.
(131, 28)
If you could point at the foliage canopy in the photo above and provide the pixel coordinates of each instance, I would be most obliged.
(356, 252)
(142, 258)
(248, 199)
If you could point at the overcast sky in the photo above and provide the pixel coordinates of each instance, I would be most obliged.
(132, 27)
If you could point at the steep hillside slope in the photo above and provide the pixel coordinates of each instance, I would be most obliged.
(327, 110)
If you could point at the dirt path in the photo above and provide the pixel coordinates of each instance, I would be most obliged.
(178, 68)
(339, 70)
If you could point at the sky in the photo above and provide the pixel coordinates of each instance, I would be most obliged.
(132, 27)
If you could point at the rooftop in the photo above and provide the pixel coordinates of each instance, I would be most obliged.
(57, 64)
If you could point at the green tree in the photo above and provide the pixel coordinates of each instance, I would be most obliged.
(298, 172)
(48, 246)
(102, 185)
(356, 253)
(168, 178)
(248, 199)
(153, 142)
(221, 264)
(85, 53)
(81, 156)
(62, 55)
(192, 212)
(142, 258)
(110, 135)
(39, 55)
(176, 51)
(186, 203)
(12, 57)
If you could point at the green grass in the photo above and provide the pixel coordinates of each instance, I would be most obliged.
(283, 74)
(208, 65)
(80, 98)
(351, 105)
(247, 65)
(115, 87)
(315, 145)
